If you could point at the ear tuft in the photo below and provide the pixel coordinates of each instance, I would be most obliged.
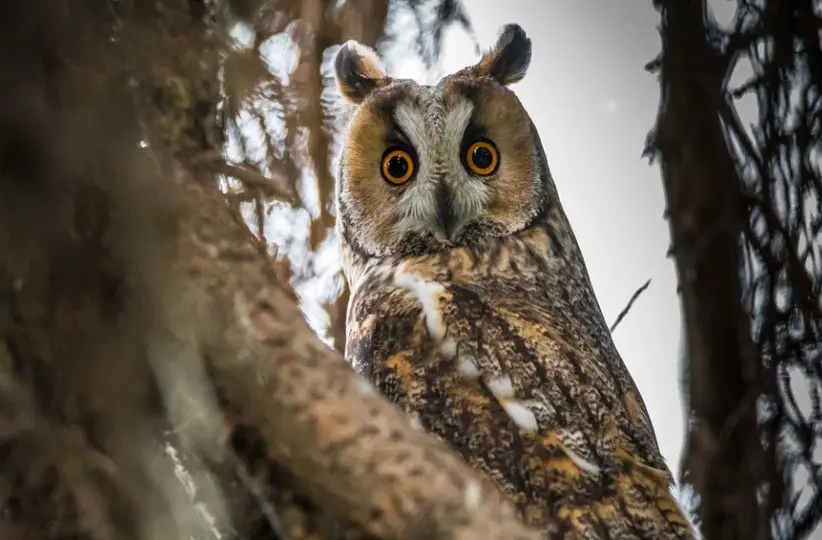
(358, 71)
(508, 60)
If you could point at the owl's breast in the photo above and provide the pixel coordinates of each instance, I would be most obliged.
(512, 370)
(498, 311)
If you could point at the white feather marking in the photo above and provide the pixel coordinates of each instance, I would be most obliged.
(470, 195)
(468, 369)
(428, 294)
(412, 122)
(520, 414)
(581, 462)
(415, 209)
(448, 347)
(503, 390)
(501, 387)
(458, 118)
(455, 125)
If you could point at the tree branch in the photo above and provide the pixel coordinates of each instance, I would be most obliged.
(347, 447)
(706, 217)
(628, 307)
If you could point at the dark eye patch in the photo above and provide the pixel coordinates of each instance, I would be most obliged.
(472, 133)
(395, 133)
(396, 138)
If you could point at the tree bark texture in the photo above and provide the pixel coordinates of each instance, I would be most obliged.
(136, 309)
(723, 459)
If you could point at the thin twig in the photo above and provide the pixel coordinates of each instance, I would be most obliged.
(252, 179)
(627, 308)
(276, 187)
(259, 210)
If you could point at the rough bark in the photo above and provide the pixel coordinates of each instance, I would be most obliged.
(136, 309)
(723, 458)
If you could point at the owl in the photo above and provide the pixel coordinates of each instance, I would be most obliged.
(471, 307)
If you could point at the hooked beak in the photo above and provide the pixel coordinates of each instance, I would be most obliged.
(449, 224)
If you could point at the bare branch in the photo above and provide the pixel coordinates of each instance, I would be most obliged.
(274, 188)
(628, 307)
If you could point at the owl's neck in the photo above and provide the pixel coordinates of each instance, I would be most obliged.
(536, 252)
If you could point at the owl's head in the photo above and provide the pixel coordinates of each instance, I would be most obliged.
(426, 168)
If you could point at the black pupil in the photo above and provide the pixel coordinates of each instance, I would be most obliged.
(397, 167)
(482, 157)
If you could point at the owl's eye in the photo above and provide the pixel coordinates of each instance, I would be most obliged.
(482, 157)
(397, 166)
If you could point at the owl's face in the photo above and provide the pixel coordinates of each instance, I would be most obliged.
(426, 168)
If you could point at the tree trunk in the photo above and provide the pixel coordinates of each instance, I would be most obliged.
(723, 458)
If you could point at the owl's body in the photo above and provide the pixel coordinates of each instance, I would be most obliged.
(471, 307)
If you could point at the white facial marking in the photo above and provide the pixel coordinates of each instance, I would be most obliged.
(436, 135)
(410, 120)
(417, 205)
(470, 193)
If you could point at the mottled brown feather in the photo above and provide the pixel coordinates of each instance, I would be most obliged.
(494, 340)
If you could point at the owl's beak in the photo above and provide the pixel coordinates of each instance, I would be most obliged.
(449, 223)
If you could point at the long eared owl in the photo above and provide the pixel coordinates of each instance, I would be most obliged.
(471, 307)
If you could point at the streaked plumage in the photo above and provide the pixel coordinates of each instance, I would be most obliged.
(471, 307)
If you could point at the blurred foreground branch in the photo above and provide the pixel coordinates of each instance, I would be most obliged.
(156, 378)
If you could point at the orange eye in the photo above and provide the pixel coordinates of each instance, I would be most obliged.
(397, 166)
(482, 157)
